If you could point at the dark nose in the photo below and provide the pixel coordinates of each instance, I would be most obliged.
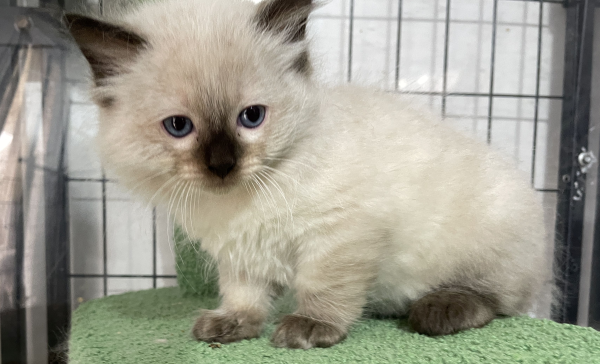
(221, 169)
(220, 155)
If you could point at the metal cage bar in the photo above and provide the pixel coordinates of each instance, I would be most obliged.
(350, 40)
(537, 90)
(573, 143)
(446, 56)
(594, 309)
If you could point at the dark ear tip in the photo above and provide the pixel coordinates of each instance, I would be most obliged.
(287, 17)
(69, 18)
(74, 21)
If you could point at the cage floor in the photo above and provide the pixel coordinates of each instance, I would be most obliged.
(154, 327)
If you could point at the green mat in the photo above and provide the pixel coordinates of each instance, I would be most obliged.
(154, 327)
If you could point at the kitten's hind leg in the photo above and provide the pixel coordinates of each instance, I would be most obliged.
(451, 309)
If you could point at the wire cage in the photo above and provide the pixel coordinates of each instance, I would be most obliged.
(516, 74)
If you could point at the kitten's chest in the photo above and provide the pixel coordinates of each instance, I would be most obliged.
(246, 239)
(259, 238)
(261, 251)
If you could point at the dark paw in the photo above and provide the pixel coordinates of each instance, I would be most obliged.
(215, 326)
(448, 311)
(298, 332)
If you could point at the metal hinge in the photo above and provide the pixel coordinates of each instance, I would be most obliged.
(586, 160)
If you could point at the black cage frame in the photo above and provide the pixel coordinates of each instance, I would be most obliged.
(571, 178)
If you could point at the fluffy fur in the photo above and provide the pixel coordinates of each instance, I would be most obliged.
(345, 194)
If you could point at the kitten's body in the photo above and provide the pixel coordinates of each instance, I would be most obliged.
(424, 200)
(345, 194)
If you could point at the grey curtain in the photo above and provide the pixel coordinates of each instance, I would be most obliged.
(34, 297)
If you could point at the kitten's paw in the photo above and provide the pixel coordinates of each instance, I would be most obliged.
(451, 310)
(298, 332)
(222, 327)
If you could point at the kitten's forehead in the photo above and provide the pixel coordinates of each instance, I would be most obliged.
(206, 57)
(204, 29)
(213, 89)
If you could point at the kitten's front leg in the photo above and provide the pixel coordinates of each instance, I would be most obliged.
(240, 316)
(331, 293)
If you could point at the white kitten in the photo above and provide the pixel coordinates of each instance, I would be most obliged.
(344, 194)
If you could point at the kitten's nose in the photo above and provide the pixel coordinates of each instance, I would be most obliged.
(220, 155)
(221, 169)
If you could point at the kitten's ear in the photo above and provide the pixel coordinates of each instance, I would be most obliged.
(107, 47)
(287, 17)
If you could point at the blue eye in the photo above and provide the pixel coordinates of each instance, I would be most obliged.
(178, 126)
(252, 116)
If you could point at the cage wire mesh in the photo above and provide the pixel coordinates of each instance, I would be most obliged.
(493, 69)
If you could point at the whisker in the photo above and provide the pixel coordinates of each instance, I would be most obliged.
(253, 183)
(298, 162)
(158, 190)
(194, 206)
(264, 190)
(145, 180)
(183, 203)
(278, 188)
(172, 233)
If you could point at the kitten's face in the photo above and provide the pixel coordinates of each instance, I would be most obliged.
(212, 92)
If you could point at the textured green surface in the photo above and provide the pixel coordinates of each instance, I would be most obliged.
(154, 327)
(196, 273)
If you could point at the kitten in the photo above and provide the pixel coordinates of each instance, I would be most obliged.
(344, 194)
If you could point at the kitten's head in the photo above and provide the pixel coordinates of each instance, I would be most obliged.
(207, 91)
